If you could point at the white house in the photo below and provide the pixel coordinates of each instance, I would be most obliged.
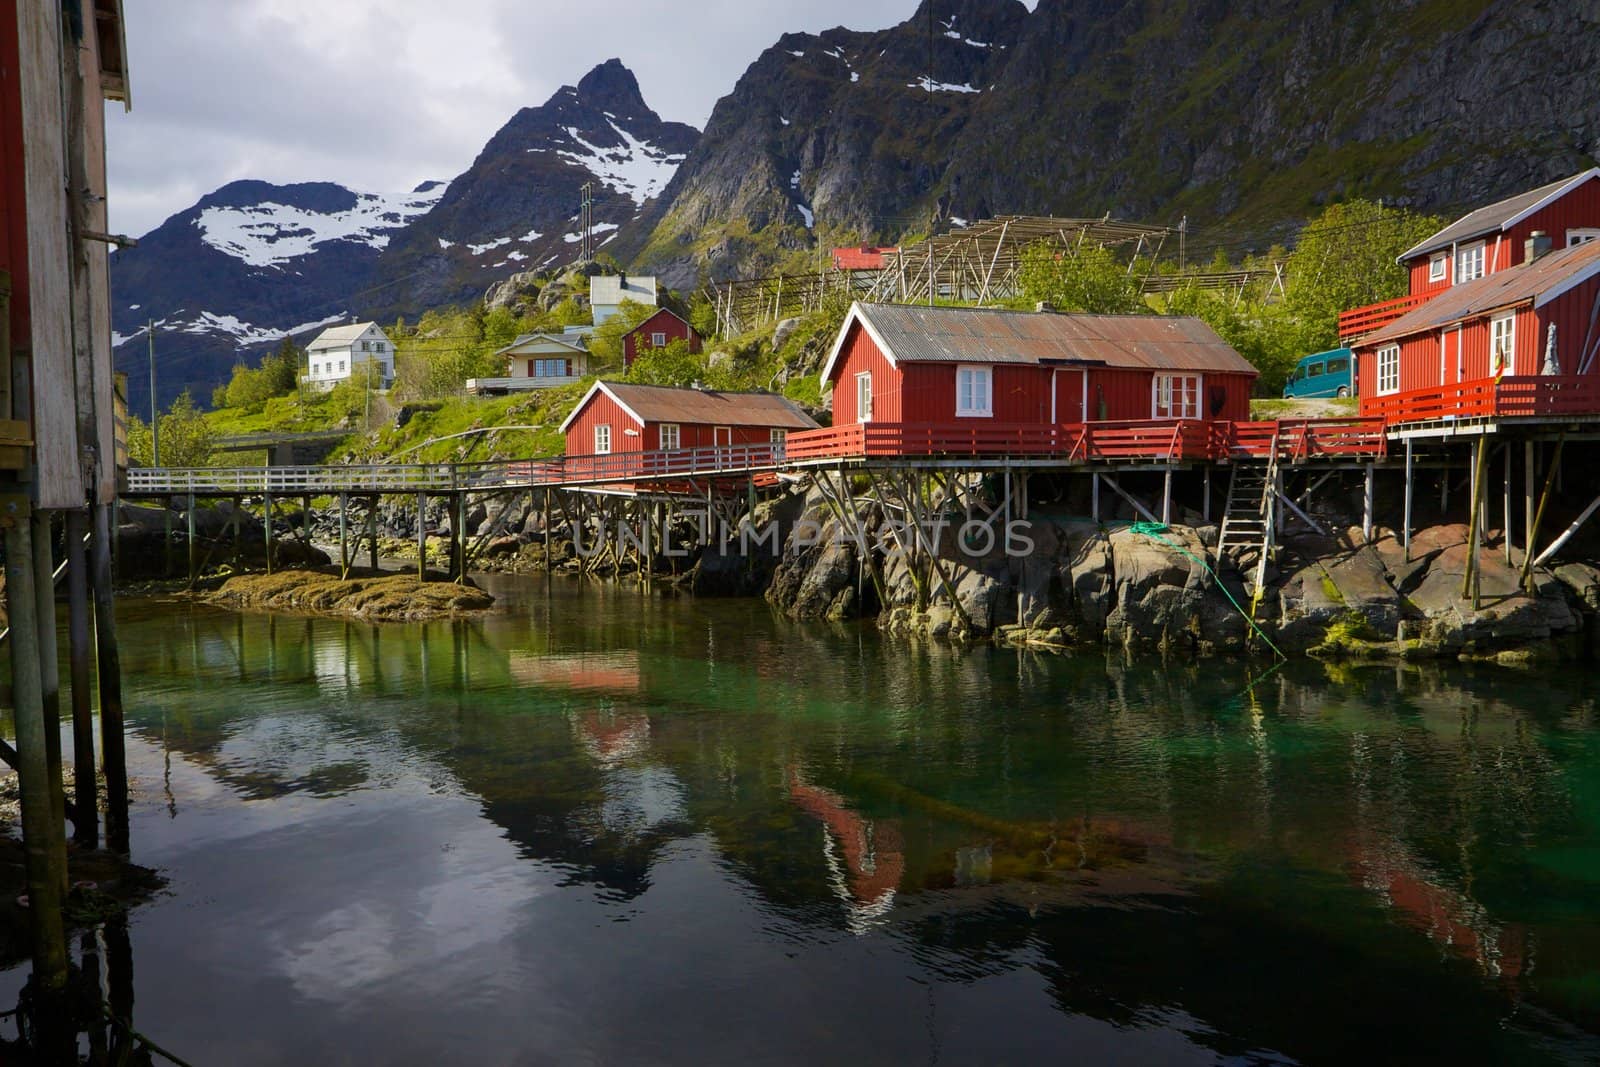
(339, 351)
(536, 361)
(608, 291)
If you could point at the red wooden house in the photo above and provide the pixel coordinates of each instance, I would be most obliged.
(909, 365)
(1514, 342)
(863, 257)
(1487, 241)
(658, 331)
(618, 417)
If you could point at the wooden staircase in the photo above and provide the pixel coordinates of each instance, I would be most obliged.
(1250, 514)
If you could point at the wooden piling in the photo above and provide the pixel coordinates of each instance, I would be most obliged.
(344, 536)
(458, 537)
(85, 799)
(43, 842)
(266, 526)
(372, 532)
(422, 537)
(1406, 534)
(44, 590)
(108, 663)
(1507, 532)
(1367, 501)
(1469, 580)
(194, 561)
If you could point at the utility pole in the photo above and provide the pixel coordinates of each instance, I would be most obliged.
(1183, 234)
(155, 418)
(586, 218)
(933, 112)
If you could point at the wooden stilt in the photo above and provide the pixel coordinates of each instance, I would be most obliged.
(344, 536)
(1094, 496)
(194, 561)
(1406, 533)
(1568, 533)
(1507, 531)
(458, 530)
(108, 664)
(546, 517)
(372, 532)
(86, 823)
(1205, 496)
(1528, 496)
(44, 589)
(1166, 498)
(422, 537)
(43, 843)
(1470, 584)
(266, 525)
(1367, 505)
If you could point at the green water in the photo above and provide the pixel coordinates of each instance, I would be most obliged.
(602, 827)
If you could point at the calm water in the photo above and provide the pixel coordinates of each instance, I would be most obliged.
(606, 828)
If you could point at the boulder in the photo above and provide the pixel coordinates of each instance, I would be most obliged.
(783, 331)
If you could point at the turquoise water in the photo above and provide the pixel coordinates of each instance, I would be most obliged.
(603, 827)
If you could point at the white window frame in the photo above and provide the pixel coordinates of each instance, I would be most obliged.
(1439, 267)
(777, 436)
(969, 405)
(864, 396)
(1386, 370)
(670, 431)
(602, 439)
(1502, 344)
(1476, 253)
(1164, 391)
(1582, 235)
(658, 340)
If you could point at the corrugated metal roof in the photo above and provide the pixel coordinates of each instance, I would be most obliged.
(1496, 216)
(612, 289)
(980, 335)
(1508, 288)
(660, 403)
(337, 336)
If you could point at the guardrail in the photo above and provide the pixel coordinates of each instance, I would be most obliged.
(1528, 396)
(1358, 322)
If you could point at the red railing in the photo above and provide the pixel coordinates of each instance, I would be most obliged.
(1157, 440)
(1357, 322)
(1520, 397)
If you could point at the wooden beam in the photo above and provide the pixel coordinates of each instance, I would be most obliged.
(1568, 533)
(1124, 494)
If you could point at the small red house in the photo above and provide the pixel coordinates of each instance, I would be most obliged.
(945, 366)
(658, 331)
(864, 257)
(1495, 238)
(1483, 331)
(623, 417)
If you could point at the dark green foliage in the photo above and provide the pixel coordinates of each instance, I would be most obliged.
(1089, 279)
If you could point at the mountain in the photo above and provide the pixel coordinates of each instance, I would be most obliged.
(253, 262)
(1245, 115)
(842, 127)
(242, 268)
(517, 207)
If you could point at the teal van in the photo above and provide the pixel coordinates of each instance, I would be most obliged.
(1324, 374)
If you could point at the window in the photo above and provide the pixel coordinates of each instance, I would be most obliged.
(1502, 344)
(1338, 366)
(1177, 396)
(777, 436)
(1438, 266)
(602, 439)
(341, 366)
(1469, 262)
(1389, 369)
(1315, 370)
(864, 396)
(669, 436)
(974, 389)
(1582, 236)
(658, 340)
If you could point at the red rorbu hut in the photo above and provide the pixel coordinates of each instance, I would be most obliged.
(902, 364)
(617, 417)
(658, 331)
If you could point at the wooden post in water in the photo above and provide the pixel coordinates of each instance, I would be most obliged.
(546, 518)
(44, 591)
(1366, 506)
(44, 844)
(372, 532)
(422, 537)
(266, 526)
(85, 797)
(458, 537)
(1469, 585)
(344, 536)
(109, 671)
(194, 561)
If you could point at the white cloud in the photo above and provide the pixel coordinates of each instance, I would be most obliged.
(386, 94)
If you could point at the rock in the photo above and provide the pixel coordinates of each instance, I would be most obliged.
(719, 358)
(783, 331)
(516, 292)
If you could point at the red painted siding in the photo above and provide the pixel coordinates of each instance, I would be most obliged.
(1459, 353)
(665, 322)
(861, 355)
(602, 410)
(703, 435)
(1577, 327)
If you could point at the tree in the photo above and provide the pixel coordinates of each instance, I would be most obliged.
(671, 364)
(1346, 258)
(1089, 279)
(605, 344)
(186, 437)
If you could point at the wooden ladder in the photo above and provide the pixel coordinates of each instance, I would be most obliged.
(1250, 515)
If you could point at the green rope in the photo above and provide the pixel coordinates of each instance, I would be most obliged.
(1154, 530)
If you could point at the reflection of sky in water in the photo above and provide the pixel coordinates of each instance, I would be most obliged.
(576, 840)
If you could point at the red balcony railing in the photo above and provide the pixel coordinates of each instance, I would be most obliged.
(1358, 322)
(1520, 397)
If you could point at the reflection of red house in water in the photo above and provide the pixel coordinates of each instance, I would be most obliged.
(612, 737)
(1448, 917)
(873, 860)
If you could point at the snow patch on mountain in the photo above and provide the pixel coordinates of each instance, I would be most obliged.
(599, 228)
(270, 234)
(637, 169)
(940, 87)
(488, 246)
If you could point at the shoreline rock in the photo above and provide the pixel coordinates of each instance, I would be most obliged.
(385, 598)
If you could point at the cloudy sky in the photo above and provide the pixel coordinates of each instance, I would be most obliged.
(383, 94)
